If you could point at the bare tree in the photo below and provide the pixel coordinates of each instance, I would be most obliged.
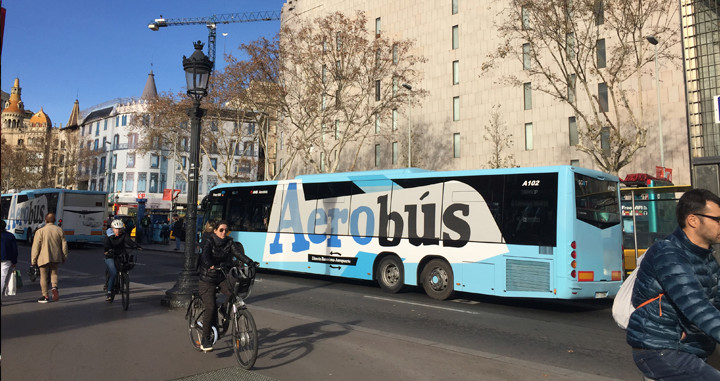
(19, 168)
(330, 80)
(500, 139)
(585, 53)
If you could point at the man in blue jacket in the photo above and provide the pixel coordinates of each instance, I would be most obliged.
(677, 323)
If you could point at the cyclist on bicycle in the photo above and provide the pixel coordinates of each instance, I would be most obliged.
(218, 250)
(115, 250)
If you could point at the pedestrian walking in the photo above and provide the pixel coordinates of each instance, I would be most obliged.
(178, 230)
(676, 324)
(9, 251)
(49, 250)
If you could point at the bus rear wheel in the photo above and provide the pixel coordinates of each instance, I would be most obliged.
(30, 236)
(390, 274)
(437, 279)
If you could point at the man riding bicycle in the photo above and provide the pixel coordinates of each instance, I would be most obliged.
(218, 251)
(115, 251)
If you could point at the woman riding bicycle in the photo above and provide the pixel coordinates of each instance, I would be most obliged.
(218, 250)
(115, 250)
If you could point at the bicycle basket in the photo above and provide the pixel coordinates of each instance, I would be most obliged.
(244, 277)
(126, 262)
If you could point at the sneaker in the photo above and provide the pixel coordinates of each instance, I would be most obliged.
(55, 294)
(206, 345)
(43, 299)
(109, 297)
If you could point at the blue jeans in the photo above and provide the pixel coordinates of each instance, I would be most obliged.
(110, 263)
(177, 242)
(669, 364)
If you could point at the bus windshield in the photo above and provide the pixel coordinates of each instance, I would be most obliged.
(596, 201)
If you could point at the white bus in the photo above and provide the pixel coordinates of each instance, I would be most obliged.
(81, 214)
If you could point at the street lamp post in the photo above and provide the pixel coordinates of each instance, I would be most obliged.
(409, 88)
(109, 168)
(654, 42)
(197, 72)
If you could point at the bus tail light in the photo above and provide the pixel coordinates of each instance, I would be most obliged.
(573, 245)
(617, 275)
(573, 274)
(573, 264)
(573, 255)
(586, 276)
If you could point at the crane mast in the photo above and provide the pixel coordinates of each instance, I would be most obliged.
(211, 23)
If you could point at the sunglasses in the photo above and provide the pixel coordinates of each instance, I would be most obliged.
(716, 219)
(222, 230)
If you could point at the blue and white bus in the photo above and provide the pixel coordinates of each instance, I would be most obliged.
(80, 213)
(545, 232)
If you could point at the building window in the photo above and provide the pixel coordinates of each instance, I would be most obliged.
(337, 129)
(570, 46)
(572, 127)
(394, 119)
(575, 163)
(142, 180)
(338, 41)
(153, 183)
(456, 72)
(324, 73)
(183, 162)
(455, 37)
(571, 88)
(116, 141)
(114, 161)
(124, 120)
(377, 155)
(395, 152)
(105, 125)
(456, 145)
(377, 123)
(377, 27)
(101, 185)
(603, 97)
(526, 56)
(213, 162)
(605, 140)
(599, 12)
(394, 86)
(96, 144)
(454, 7)
(456, 108)
(132, 140)
(528, 136)
(102, 163)
(395, 53)
(600, 48)
(97, 128)
(527, 95)
(213, 125)
(131, 160)
(119, 185)
(525, 15)
(377, 90)
(154, 161)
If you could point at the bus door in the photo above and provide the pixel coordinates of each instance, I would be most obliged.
(596, 249)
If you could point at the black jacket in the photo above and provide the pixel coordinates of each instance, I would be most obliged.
(218, 252)
(117, 244)
(688, 276)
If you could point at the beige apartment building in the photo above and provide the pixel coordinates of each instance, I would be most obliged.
(456, 36)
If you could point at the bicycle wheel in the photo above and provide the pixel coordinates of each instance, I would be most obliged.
(125, 289)
(194, 316)
(245, 340)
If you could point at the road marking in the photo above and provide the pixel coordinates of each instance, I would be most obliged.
(422, 305)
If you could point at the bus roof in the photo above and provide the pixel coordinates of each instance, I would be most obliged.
(50, 190)
(661, 189)
(402, 173)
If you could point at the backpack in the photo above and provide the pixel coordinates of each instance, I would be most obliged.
(622, 305)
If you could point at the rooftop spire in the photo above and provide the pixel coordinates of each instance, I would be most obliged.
(74, 115)
(150, 91)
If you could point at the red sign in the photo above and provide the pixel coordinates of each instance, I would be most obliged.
(170, 194)
(663, 173)
(141, 195)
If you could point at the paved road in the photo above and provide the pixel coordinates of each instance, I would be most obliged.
(83, 338)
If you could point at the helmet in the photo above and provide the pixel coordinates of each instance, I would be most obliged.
(117, 224)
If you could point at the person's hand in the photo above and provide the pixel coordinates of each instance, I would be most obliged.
(140, 248)
(256, 264)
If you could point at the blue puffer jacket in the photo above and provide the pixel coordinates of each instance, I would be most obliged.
(688, 276)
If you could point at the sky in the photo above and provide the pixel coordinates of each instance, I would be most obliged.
(99, 50)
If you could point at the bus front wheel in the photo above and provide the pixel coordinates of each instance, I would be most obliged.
(437, 279)
(390, 275)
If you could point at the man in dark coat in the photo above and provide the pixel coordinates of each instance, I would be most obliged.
(677, 323)
(178, 230)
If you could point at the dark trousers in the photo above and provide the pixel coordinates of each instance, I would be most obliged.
(670, 364)
(207, 295)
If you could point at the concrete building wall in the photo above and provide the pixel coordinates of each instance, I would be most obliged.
(430, 24)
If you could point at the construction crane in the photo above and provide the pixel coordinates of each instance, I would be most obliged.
(212, 21)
